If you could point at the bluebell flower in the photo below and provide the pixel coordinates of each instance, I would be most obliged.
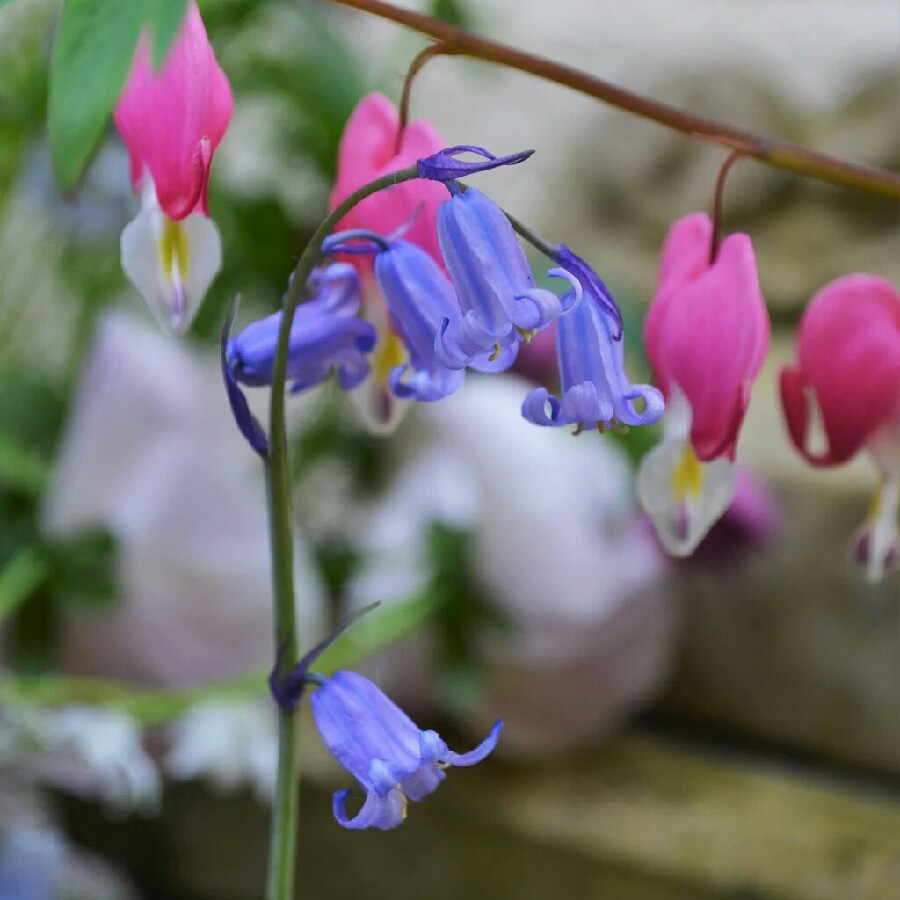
(444, 166)
(419, 298)
(499, 301)
(370, 736)
(375, 741)
(325, 334)
(595, 386)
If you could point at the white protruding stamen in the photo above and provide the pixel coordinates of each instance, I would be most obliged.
(683, 496)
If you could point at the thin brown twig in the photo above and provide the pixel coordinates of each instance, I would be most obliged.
(774, 152)
(718, 200)
(416, 66)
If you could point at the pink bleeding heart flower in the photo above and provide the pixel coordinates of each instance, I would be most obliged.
(369, 149)
(172, 121)
(848, 378)
(707, 335)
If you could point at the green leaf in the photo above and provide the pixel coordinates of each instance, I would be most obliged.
(379, 629)
(164, 18)
(83, 570)
(94, 47)
(19, 579)
(20, 469)
(151, 706)
(453, 12)
(32, 407)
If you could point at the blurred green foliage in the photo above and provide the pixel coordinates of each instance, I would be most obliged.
(296, 80)
(63, 277)
(461, 611)
(453, 12)
(149, 706)
(39, 576)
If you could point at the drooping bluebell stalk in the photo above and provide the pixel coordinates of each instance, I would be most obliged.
(280, 883)
(499, 300)
(595, 390)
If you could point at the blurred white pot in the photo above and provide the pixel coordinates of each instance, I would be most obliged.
(152, 454)
(558, 548)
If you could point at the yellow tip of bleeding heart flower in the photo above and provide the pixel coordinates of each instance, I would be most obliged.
(389, 353)
(173, 249)
(687, 476)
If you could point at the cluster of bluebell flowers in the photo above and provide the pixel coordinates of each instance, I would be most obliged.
(475, 318)
(470, 309)
(393, 760)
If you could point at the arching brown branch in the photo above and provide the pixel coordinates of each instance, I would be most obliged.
(774, 152)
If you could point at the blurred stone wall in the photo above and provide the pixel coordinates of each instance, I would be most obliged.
(822, 72)
(789, 648)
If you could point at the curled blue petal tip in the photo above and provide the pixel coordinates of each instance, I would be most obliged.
(592, 285)
(246, 422)
(444, 166)
(355, 241)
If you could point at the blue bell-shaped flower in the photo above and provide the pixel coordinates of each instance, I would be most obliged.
(499, 301)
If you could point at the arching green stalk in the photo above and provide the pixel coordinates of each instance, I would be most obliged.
(285, 808)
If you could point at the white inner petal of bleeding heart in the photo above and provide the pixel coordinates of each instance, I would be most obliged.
(379, 408)
(882, 542)
(172, 264)
(683, 496)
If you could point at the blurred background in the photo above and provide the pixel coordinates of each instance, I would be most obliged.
(725, 727)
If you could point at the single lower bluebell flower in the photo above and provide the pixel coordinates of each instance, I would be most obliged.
(444, 166)
(371, 737)
(389, 755)
(595, 389)
(325, 335)
(498, 298)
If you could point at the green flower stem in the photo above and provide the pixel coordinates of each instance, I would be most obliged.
(278, 492)
(549, 250)
(772, 151)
